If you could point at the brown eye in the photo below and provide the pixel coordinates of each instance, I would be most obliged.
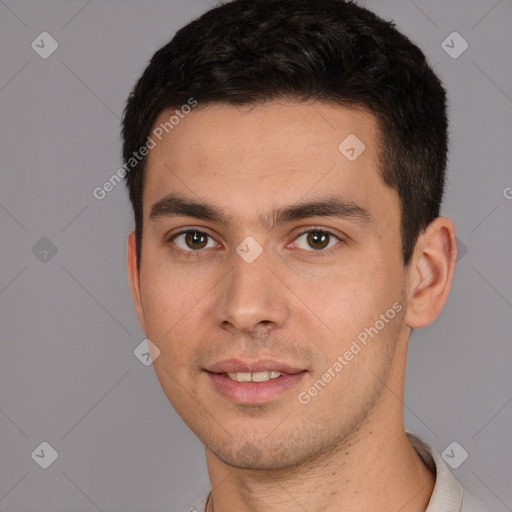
(191, 240)
(317, 239)
(196, 239)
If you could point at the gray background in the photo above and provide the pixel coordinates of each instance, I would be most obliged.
(68, 375)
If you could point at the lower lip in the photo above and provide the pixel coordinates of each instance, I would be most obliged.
(254, 393)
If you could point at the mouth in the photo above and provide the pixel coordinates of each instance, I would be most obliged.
(253, 377)
(254, 383)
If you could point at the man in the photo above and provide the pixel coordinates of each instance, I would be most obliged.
(285, 162)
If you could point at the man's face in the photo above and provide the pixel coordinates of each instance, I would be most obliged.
(213, 305)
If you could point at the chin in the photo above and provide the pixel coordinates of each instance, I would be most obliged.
(270, 454)
(249, 457)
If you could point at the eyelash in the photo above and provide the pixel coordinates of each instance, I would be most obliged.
(315, 254)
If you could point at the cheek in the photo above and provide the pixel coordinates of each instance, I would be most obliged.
(173, 301)
(163, 305)
(352, 303)
(168, 292)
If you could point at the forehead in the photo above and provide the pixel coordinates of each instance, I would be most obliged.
(252, 158)
(283, 128)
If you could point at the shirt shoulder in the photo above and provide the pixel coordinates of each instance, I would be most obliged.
(448, 494)
(470, 503)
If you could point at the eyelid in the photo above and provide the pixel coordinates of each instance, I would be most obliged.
(319, 228)
(186, 230)
(309, 229)
(170, 238)
(323, 230)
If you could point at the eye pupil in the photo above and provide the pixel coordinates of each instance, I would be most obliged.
(316, 239)
(320, 239)
(193, 239)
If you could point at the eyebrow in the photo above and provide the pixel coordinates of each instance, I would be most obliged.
(175, 205)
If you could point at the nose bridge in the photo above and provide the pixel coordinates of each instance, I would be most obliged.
(252, 297)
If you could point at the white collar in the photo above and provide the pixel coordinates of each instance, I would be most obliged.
(447, 493)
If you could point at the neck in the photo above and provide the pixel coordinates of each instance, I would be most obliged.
(374, 472)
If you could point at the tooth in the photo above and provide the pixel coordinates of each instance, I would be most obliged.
(260, 376)
(253, 377)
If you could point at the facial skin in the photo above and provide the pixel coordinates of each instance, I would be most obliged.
(301, 302)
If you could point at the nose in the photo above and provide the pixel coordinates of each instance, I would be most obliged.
(252, 297)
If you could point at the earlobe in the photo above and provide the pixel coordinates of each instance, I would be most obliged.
(134, 278)
(431, 273)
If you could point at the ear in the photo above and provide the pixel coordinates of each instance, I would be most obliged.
(431, 272)
(134, 278)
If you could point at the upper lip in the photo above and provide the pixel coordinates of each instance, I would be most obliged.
(262, 365)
